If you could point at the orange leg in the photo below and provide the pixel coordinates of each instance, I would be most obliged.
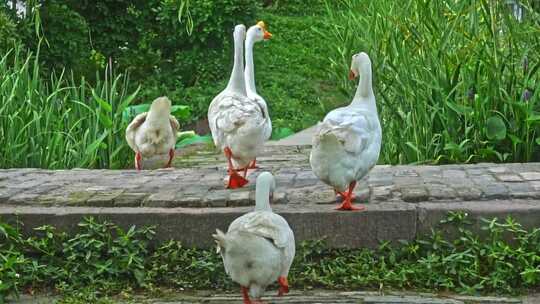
(245, 295)
(235, 180)
(342, 195)
(347, 199)
(171, 156)
(138, 160)
(253, 164)
(283, 286)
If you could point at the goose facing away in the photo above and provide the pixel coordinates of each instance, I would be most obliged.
(347, 143)
(153, 133)
(237, 122)
(258, 248)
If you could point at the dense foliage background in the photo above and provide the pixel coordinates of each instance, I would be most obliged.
(456, 81)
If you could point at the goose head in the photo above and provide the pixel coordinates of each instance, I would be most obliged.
(258, 32)
(161, 104)
(160, 108)
(239, 33)
(360, 64)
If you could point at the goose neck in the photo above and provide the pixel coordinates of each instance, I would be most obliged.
(364, 90)
(262, 198)
(249, 72)
(236, 82)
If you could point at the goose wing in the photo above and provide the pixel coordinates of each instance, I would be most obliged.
(132, 128)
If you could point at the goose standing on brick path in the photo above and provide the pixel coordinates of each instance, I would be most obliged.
(259, 246)
(237, 122)
(255, 34)
(153, 133)
(347, 143)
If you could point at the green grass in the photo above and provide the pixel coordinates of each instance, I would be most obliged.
(102, 260)
(449, 77)
(289, 68)
(455, 81)
(60, 122)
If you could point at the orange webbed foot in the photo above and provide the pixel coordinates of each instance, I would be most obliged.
(235, 180)
(349, 207)
(348, 197)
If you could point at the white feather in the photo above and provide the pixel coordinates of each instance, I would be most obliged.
(153, 133)
(347, 143)
(235, 120)
(259, 246)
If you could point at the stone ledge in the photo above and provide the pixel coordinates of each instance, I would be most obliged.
(190, 201)
(317, 296)
(194, 226)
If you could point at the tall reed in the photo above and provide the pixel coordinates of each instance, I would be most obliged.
(456, 81)
(60, 122)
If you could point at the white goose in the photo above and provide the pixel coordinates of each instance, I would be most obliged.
(153, 133)
(259, 247)
(255, 34)
(348, 141)
(237, 123)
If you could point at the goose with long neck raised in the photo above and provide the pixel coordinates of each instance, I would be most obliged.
(347, 143)
(259, 246)
(153, 133)
(256, 33)
(237, 122)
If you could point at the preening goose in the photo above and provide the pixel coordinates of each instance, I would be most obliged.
(153, 133)
(259, 246)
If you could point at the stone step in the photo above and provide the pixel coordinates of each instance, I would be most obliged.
(319, 296)
(194, 226)
(189, 202)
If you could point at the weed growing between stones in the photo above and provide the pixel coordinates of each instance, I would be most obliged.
(103, 260)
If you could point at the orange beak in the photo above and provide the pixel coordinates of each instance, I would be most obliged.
(352, 75)
(267, 35)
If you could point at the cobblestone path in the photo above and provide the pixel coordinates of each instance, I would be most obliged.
(198, 181)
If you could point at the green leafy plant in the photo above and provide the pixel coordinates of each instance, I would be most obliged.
(187, 138)
(60, 122)
(456, 81)
(101, 260)
(8, 32)
(152, 39)
(495, 128)
(279, 133)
